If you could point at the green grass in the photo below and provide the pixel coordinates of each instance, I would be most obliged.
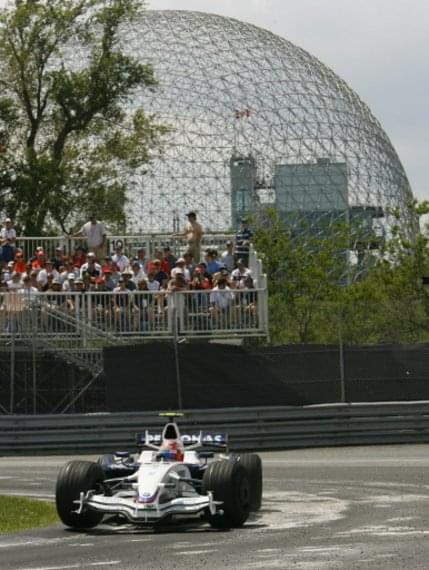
(18, 513)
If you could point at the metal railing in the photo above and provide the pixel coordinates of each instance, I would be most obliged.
(150, 242)
(281, 427)
(72, 320)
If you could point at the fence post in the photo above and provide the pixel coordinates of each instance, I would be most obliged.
(341, 355)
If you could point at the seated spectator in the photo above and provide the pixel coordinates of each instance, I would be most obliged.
(47, 285)
(221, 300)
(178, 282)
(239, 274)
(169, 258)
(39, 262)
(160, 275)
(59, 258)
(144, 307)
(109, 282)
(69, 282)
(29, 292)
(79, 257)
(8, 270)
(91, 266)
(20, 265)
(165, 266)
(34, 282)
(200, 281)
(228, 257)
(180, 266)
(129, 283)
(122, 303)
(43, 274)
(142, 259)
(152, 283)
(138, 273)
(190, 265)
(213, 265)
(68, 268)
(14, 282)
(120, 259)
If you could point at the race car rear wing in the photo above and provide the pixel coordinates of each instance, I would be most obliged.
(190, 441)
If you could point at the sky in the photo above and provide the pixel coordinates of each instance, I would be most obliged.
(379, 47)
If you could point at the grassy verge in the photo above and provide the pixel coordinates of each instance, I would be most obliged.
(18, 513)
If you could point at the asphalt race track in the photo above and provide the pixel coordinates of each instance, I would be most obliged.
(348, 508)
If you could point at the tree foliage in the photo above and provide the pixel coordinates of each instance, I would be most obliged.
(67, 143)
(319, 294)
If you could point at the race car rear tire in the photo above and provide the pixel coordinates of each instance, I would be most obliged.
(229, 484)
(76, 477)
(253, 465)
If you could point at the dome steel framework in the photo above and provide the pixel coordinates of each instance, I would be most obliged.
(255, 120)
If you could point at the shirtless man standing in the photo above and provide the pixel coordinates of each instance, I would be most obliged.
(193, 233)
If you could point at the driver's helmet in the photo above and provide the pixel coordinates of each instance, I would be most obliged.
(171, 451)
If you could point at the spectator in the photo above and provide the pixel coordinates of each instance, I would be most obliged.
(59, 258)
(189, 262)
(15, 282)
(239, 274)
(47, 285)
(44, 273)
(29, 292)
(142, 259)
(165, 266)
(20, 264)
(33, 277)
(138, 272)
(242, 241)
(193, 233)
(221, 299)
(180, 266)
(169, 258)
(127, 275)
(109, 282)
(7, 241)
(95, 234)
(8, 270)
(160, 275)
(69, 282)
(91, 266)
(152, 283)
(79, 257)
(227, 257)
(40, 260)
(120, 259)
(122, 304)
(213, 264)
(177, 283)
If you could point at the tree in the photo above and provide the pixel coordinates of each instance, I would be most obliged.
(316, 294)
(67, 143)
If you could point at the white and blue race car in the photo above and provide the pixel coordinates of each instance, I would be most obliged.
(179, 478)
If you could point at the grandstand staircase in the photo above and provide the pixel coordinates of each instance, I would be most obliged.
(71, 338)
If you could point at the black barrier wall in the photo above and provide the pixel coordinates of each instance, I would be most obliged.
(145, 377)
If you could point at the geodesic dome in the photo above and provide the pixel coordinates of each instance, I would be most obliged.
(254, 120)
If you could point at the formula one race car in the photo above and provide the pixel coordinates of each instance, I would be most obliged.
(172, 480)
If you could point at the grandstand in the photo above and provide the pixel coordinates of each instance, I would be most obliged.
(71, 328)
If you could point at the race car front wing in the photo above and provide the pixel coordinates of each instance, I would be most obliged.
(136, 512)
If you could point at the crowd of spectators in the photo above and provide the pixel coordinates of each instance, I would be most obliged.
(217, 277)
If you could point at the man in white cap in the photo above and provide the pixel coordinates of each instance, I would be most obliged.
(7, 241)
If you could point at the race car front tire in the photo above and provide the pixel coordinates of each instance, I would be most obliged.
(229, 483)
(253, 465)
(76, 477)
